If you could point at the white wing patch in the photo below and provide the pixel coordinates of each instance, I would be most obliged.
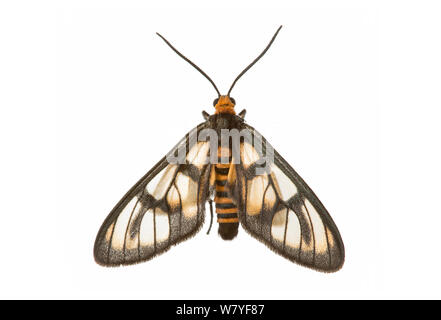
(278, 225)
(119, 231)
(159, 185)
(132, 242)
(293, 232)
(198, 154)
(162, 225)
(256, 190)
(284, 186)
(109, 232)
(173, 199)
(286, 231)
(147, 230)
(270, 198)
(307, 247)
(321, 244)
(249, 155)
(330, 237)
(188, 191)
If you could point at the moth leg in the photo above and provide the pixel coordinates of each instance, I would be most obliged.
(242, 113)
(210, 202)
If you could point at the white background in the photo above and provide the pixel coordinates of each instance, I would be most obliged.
(91, 98)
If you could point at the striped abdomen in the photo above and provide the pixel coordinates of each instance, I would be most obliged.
(226, 210)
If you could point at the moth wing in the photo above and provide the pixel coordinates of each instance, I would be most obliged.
(165, 207)
(277, 207)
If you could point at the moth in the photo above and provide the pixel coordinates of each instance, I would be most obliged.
(249, 182)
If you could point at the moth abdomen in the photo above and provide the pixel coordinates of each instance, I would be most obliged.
(226, 210)
(228, 231)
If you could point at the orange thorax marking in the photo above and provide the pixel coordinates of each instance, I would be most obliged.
(225, 105)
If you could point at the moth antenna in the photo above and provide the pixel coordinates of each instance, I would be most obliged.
(190, 62)
(255, 60)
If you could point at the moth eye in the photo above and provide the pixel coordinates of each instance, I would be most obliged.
(215, 102)
(232, 100)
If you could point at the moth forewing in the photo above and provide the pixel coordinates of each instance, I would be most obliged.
(162, 209)
(279, 209)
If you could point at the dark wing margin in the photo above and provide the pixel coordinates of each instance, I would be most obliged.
(163, 208)
(278, 208)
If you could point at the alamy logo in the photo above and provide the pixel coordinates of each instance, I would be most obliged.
(229, 139)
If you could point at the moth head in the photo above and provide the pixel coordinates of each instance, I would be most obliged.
(224, 104)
